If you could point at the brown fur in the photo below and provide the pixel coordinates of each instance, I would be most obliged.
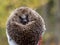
(25, 34)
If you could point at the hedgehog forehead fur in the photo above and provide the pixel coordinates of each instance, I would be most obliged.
(28, 33)
(24, 11)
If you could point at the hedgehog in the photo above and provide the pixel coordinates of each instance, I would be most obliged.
(24, 27)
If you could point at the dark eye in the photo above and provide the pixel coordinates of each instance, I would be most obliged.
(27, 16)
(20, 18)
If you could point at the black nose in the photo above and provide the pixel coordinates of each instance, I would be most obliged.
(24, 19)
(24, 22)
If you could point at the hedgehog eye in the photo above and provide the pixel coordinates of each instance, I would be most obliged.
(26, 15)
(20, 17)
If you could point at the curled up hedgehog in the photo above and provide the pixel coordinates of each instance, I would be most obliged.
(24, 27)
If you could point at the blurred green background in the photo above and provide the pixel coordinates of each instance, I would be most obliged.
(48, 9)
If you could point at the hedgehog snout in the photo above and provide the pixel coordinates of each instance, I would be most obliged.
(24, 19)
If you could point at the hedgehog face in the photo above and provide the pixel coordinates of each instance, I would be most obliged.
(24, 16)
(24, 19)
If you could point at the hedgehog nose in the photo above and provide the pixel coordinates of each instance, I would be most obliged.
(24, 21)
